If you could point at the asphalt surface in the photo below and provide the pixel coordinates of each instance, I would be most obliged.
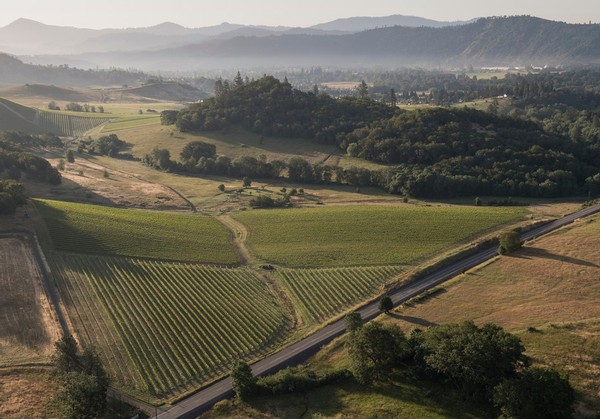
(202, 401)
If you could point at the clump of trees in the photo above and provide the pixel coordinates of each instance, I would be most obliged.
(82, 379)
(483, 364)
(12, 194)
(16, 163)
(108, 145)
(271, 107)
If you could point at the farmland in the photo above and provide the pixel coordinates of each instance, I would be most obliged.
(164, 327)
(126, 122)
(141, 233)
(27, 327)
(66, 125)
(319, 294)
(367, 235)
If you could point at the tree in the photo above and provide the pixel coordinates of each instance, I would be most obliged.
(474, 358)
(221, 187)
(158, 158)
(168, 117)
(386, 304)
(70, 156)
(243, 381)
(197, 149)
(537, 393)
(53, 106)
(238, 81)
(246, 182)
(65, 355)
(353, 322)
(101, 109)
(83, 381)
(374, 349)
(509, 242)
(363, 90)
(478, 201)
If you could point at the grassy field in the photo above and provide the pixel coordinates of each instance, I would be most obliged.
(131, 122)
(166, 327)
(28, 329)
(95, 229)
(24, 393)
(548, 294)
(367, 235)
(320, 294)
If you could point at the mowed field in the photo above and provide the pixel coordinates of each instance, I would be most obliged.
(365, 235)
(164, 328)
(140, 233)
(28, 329)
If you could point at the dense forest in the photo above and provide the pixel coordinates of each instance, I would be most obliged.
(430, 152)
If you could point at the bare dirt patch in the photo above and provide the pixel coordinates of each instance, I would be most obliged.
(28, 327)
(85, 181)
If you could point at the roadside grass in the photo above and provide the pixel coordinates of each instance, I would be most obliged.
(365, 235)
(404, 396)
(164, 328)
(139, 233)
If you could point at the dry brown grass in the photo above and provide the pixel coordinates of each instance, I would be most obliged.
(24, 393)
(554, 279)
(28, 327)
(548, 293)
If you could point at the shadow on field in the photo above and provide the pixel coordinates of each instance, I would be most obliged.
(535, 252)
(415, 320)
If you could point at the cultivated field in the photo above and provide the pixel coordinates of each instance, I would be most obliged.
(28, 329)
(165, 327)
(366, 235)
(320, 294)
(140, 233)
(127, 122)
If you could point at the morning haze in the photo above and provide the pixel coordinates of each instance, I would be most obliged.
(299, 209)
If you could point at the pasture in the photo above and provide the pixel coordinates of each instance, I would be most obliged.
(139, 233)
(366, 235)
(547, 293)
(28, 328)
(163, 328)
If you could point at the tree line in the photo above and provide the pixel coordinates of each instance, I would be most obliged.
(483, 364)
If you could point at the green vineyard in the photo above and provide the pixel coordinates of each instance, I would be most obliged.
(66, 125)
(97, 229)
(366, 235)
(165, 327)
(320, 294)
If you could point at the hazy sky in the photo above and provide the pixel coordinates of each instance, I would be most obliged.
(196, 13)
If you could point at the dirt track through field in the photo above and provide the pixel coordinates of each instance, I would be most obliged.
(239, 234)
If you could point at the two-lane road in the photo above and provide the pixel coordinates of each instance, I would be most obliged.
(192, 406)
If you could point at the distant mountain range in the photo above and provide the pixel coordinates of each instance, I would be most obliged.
(506, 41)
(25, 36)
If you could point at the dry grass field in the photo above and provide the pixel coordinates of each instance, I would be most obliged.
(24, 392)
(27, 328)
(548, 293)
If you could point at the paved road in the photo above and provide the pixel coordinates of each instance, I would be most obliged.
(194, 405)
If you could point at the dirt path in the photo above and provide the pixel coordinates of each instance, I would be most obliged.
(239, 233)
